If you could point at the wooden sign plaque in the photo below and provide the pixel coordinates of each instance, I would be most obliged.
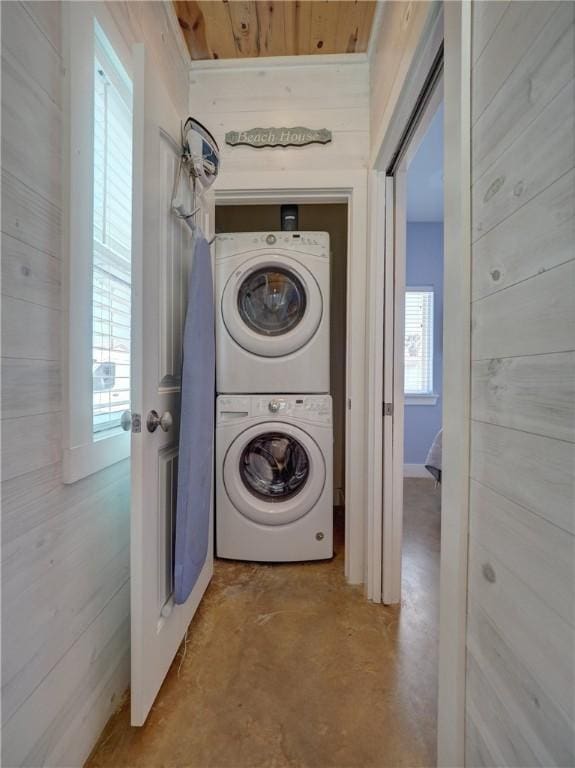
(278, 137)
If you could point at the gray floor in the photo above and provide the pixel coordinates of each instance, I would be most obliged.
(287, 665)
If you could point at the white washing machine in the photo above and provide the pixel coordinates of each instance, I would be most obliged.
(272, 326)
(274, 497)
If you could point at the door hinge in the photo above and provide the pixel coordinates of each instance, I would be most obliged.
(136, 422)
(388, 409)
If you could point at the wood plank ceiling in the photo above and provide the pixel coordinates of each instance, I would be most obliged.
(232, 29)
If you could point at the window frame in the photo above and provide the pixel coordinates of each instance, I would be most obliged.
(431, 397)
(85, 452)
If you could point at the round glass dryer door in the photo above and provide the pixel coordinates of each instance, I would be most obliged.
(274, 473)
(271, 301)
(274, 466)
(272, 305)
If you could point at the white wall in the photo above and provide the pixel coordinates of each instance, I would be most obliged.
(65, 548)
(424, 268)
(391, 58)
(326, 95)
(521, 602)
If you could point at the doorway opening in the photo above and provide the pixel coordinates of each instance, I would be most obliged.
(333, 219)
(413, 383)
(422, 387)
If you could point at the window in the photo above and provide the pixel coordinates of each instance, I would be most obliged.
(99, 229)
(112, 236)
(418, 371)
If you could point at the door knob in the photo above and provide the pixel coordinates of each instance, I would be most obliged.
(126, 421)
(154, 421)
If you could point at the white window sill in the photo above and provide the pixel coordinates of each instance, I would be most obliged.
(421, 399)
(83, 460)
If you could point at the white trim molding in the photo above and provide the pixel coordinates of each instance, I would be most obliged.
(380, 293)
(275, 62)
(430, 399)
(272, 187)
(377, 305)
(456, 386)
(83, 452)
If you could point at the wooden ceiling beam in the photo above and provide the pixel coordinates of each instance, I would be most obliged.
(245, 27)
(354, 18)
(303, 26)
(193, 26)
(290, 28)
(324, 16)
(275, 40)
(219, 32)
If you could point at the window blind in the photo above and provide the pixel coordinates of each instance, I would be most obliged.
(112, 238)
(418, 375)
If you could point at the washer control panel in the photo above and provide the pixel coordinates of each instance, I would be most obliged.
(310, 407)
(315, 408)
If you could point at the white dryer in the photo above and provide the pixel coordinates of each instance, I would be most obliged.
(272, 326)
(274, 497)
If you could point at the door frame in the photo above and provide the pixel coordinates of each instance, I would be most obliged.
(448, 27)
(395, 259)
(350, 187)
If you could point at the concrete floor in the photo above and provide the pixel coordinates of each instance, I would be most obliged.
(286, 665)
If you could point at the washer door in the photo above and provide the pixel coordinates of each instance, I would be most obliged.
(272, 305)
(274, 473)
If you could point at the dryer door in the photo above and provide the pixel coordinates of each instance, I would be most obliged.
(274, 473)
(272, 305)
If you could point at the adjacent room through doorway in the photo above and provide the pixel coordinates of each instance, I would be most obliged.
(423, 375)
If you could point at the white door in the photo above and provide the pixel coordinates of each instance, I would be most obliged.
(161, 260)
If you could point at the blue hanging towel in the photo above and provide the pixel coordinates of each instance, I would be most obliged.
(195, 463)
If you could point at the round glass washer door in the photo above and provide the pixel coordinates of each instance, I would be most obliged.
(274, 466)
(274, 473)
(272, 305)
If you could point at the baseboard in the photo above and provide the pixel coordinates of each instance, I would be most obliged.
(415, 470)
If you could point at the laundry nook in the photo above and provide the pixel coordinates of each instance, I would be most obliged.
(287, 384)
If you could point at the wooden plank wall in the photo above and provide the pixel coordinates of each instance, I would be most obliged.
(65, 548)
(521, 609)
(334, 96)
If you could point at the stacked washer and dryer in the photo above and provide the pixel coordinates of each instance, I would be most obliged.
(274, 430)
